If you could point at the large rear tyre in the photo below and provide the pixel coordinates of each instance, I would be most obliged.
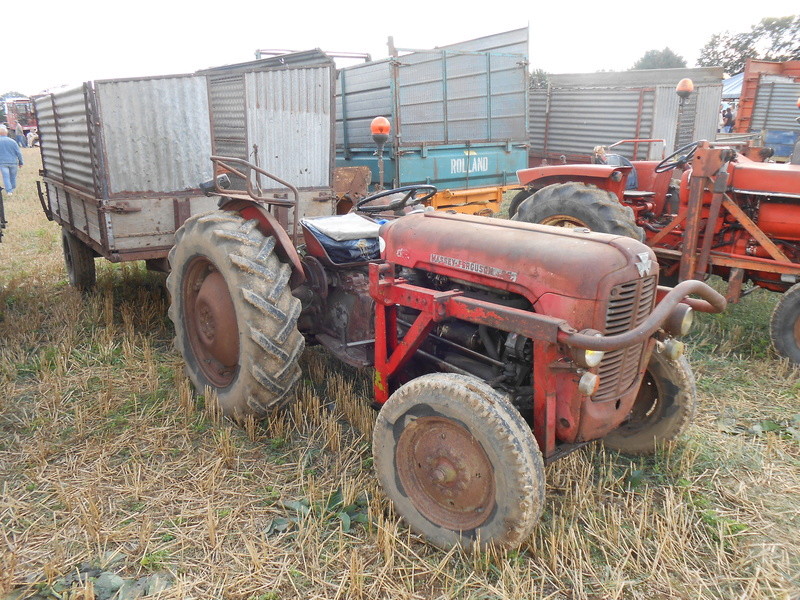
(579, 205)
(785, 324)
(664, 407)
(234, 314)
(518, 199)
(79, 260)
(459, 463)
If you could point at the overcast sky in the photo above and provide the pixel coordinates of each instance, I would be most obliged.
(52, 43)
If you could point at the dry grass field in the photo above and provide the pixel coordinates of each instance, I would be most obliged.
(107, 458)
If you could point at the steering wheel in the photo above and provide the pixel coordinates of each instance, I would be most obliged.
(409, 198)
(670, 162)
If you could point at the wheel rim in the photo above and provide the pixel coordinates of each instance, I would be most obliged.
(445, 473)
(647, 407)
(567, 221)
(210, 319)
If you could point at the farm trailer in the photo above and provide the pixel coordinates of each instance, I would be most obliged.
(122, 158)
(120, 162)
(459, 119)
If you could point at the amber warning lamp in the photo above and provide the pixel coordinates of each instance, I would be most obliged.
(380, 128)
(684, 88)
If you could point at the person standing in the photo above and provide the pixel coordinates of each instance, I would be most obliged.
(10, 160)
(727, 120)
(20, 133)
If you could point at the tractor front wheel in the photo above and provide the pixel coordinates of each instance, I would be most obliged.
(662, 410)
(459, 463)
(579, 205)
(234, 314)
(785, 324)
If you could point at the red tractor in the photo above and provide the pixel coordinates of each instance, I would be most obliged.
(707, 209)
(497, 346)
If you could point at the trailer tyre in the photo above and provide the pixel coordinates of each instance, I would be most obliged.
(234, 314)
(459, 463)
(785, 324)
(79, 260)
(664, 407)
(579, 205)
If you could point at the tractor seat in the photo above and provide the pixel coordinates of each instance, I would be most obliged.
(342, 240)
(617, 160)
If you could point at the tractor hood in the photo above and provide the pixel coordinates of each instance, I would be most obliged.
(766, 178)
(525, 259)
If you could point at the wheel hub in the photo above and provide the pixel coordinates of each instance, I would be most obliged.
(567, 221)
(210, 318)
(446, 473)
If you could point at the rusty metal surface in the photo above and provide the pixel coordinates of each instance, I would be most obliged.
(445, 472)
(351, 181)
(210, 321)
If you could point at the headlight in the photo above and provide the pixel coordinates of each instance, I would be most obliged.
(679, 321)
(588, 384)
(588, 358)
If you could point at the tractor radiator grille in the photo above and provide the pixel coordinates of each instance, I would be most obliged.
(629, 306)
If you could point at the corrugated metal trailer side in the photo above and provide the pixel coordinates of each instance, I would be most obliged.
(458, 113)
(577, 112)
(281, 118)
(775, 111)
(122, 160)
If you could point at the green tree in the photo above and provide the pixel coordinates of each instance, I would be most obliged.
(659, 59)
(773, 38)
(539, 79)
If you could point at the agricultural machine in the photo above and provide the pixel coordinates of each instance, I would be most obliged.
(497, 346)
(728, 213)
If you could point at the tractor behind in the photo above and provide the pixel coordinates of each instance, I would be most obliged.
(708, 209)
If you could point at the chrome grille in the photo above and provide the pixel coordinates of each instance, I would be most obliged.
(629, 306)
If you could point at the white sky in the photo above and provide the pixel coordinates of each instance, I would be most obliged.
(67, 42)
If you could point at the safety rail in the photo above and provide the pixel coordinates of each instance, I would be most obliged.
(223, 164)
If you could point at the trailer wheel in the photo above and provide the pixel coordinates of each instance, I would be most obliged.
(234, 314)
(79, 260)
(663, 408)
(579, 205)
(459, 463)
(785, 324)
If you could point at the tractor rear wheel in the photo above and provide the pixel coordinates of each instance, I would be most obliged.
(785, 324)
(79, 260)
(662, 410)
(579, 205)
(518, 199)
(234, 314)
(459, 463)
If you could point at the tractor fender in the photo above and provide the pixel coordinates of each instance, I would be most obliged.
(605, 177)
(269, 225)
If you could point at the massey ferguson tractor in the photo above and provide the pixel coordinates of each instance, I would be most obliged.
(707, 209)
(497, 346)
